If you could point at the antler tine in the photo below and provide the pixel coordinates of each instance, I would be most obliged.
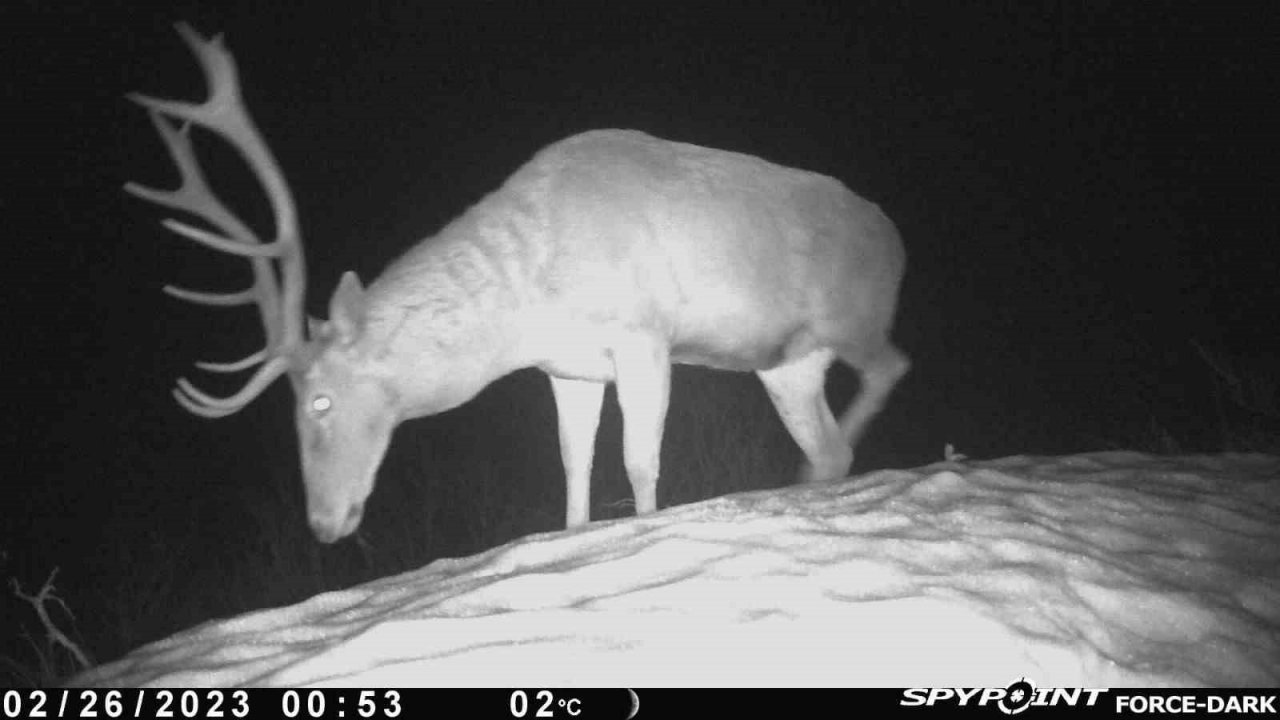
(201, 403)
(236, 365)
(224, 113)
(279, 298)
(244, 297)
(193, 195)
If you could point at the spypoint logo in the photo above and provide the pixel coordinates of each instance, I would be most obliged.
(1017, 697)
(1012, 700)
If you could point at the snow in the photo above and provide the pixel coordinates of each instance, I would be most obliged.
(1090, 570)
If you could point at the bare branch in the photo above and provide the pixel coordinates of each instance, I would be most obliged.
(54, 636)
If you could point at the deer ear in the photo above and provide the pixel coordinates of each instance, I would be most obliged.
(346, 308)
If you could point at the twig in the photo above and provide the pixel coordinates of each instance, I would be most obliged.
(55, 636)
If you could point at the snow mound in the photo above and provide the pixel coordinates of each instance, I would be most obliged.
(1090, 570)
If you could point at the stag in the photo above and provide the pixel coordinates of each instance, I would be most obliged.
(607, 257)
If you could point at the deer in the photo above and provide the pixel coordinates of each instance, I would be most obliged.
(606, 258)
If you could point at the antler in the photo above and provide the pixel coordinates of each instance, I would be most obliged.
(278, 300)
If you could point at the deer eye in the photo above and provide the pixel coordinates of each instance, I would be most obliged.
(320, 404)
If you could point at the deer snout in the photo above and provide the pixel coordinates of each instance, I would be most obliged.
(330, 525)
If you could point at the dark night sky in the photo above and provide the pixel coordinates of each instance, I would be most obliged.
(1083, 189)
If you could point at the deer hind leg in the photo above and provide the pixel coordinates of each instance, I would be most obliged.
(880, 372)
(642, 371)
(578, 405)
(798, 392)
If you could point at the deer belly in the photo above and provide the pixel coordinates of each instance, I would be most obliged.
(740, 343)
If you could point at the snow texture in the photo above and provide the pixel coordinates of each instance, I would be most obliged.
(1089, 570)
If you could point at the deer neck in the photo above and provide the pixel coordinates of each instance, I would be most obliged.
(443, 323)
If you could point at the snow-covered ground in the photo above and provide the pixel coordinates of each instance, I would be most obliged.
(1094, 570)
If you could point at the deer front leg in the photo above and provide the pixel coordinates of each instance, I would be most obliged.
(642, 371)
(797, 391)
(578, 411)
